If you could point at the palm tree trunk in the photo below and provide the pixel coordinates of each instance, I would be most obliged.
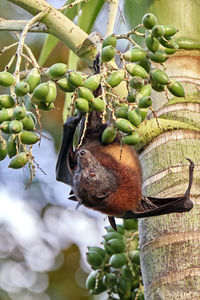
(170, 244)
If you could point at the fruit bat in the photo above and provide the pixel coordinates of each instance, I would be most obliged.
(106, 179)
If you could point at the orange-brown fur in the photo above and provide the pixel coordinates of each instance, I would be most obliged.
(127, 171)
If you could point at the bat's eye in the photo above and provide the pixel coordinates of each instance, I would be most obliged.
(82, 152)
(92, 174)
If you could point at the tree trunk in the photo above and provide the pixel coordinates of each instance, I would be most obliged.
(170, 244)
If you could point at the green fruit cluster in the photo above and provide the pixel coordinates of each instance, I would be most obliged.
(17, 131)
(139, 73)
(116, 266)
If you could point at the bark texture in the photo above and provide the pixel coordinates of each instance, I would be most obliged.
(170, 244)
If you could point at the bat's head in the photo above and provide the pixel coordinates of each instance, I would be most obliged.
(92, 182)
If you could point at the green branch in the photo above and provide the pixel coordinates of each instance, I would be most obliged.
(63, 28)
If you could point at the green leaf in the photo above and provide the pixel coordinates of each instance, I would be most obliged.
(48, 46)
(90, 11)
(168, 12)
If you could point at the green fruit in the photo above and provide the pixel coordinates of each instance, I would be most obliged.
(6, 79)
(92, 82)
(19, 112)
(127, 274)
(21, 89)
(57, 70)
(131, 139)
(112, 235)
(130, 224)
(19, 161)
(91, 280)
(136, 70)
(135, 285)
(75, 79)
(176, 89)
(6, 101)
(94, 259)
(41, 91)
(5, 127)
(110, 41)
(145, 64)
(107, 53)
(123, 286)
(3, 150)
(106, 248)
(167, 43)
(149, 20)
(117, 260)
(28, 123)
(108, 135)
(101, 288)
(6, 114)
(85, 93)
(134, 117)
(131, 97)
(160, 77)
(82, 105)
(152, 43)
(157, 31)
(143, 113)
(64, 85)
(52, 93)
(120, 229)
(30, 114)
(11, 146)
(33, 79)
(15, 126)
(124, 125)
(110, 280)
(28, 138)
(135, 256)
(45, 106)
(97, 104)
(121, 112)
(159, 56)
(169, 30)
(170, 51)
(115, 78)
(144, 91)
(135, 54)
(156, 86)
(145, 102)
(116, 245)
(136, 82)
(98, 250)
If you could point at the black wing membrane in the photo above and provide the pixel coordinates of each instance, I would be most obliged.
(63, 171)
(151, 206)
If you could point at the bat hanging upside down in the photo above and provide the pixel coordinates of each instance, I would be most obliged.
(103, 180)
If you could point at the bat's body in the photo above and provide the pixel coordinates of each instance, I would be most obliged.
(107, 179)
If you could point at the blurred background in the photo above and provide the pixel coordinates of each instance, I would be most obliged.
(43, 238)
